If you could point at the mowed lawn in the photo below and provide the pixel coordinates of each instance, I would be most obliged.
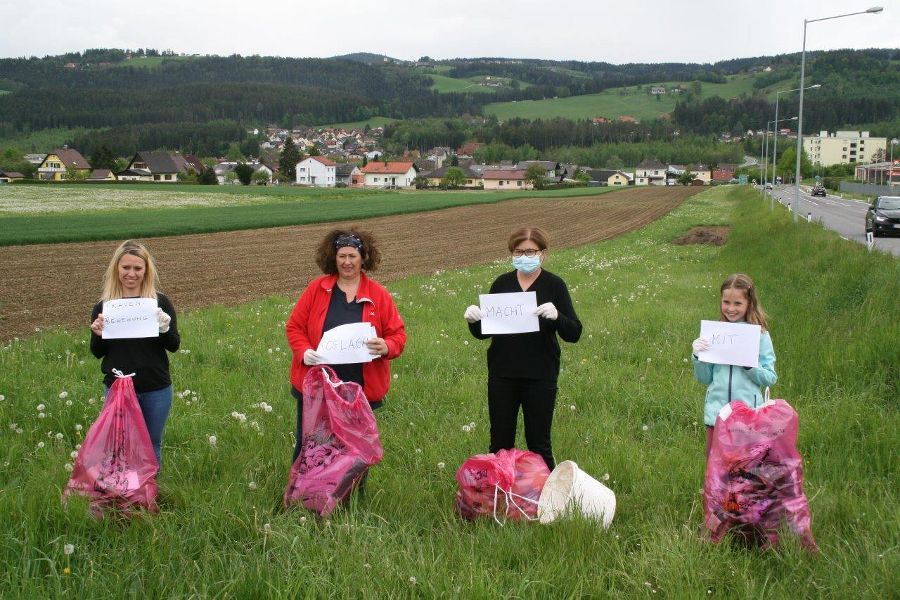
(628, 407)
(615, 102)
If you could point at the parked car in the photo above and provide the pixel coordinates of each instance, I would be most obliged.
(883, 217)
(818, 190)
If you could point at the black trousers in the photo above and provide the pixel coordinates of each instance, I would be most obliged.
(537, 399)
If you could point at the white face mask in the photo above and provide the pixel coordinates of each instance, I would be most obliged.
(526, 264)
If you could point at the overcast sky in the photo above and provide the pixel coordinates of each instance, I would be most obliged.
(588, 30)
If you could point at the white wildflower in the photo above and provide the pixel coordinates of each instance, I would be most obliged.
(212, 440)
(40, 444)
(68, 549)
(440, 465)
(59, 436)
(63, 395)
(40, 407)
(67, 466)
(41, 415)
(252, 485)
(78, 427)
(645, 428)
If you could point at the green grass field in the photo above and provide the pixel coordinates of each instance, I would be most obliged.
(444, 84)
(614, 102)
(150, 62)
(628, 406)
(51, 213)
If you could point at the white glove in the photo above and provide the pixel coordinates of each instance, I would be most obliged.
(547, 310)
(163, 319)
(472, 314)
(311, 357)
(700, 345)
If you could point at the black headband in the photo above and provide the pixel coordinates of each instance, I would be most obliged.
(348, 240)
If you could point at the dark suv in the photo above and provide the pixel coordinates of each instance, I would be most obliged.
(818, 190)
(883, 217)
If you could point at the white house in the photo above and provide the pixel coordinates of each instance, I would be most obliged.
(317, 171)
(650, 172)
(399, 174)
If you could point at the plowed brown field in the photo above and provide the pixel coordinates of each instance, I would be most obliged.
(57, 284)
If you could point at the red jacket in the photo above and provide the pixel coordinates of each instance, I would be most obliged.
(304, 330)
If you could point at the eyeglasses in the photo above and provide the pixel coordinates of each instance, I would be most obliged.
(529, 253)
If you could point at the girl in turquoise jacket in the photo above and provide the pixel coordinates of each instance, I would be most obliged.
(739, 304)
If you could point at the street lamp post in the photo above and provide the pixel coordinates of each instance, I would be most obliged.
(775, 123)
(775, 145)
(873, 10)
(891, 171)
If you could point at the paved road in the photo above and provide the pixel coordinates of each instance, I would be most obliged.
(847, 217)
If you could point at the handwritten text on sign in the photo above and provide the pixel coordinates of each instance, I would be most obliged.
(346, 344)
(130, 318)
(508, 313)
(731, 343)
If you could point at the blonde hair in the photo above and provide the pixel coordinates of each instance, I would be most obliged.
(755, 313)
(112, 287)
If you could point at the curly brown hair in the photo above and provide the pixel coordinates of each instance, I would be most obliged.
(326, 253)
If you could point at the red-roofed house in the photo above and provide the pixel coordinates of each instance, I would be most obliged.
(505, 179)
(389, 174)
(56, 165)
(317, 171)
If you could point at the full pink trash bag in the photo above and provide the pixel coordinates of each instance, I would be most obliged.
(507, 483)
(339, 442)
(116, 466)
(754, 475)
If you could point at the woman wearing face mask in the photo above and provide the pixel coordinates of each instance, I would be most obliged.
(523, 368)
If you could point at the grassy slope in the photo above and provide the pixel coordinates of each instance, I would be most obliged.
(640, 299)
(290, 206)
(613, 102)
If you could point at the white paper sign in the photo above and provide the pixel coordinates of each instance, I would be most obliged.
(508, 313)
(346, 344)
(130, 318)
(732, 343)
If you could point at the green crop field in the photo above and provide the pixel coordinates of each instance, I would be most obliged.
(633, 101)
(50, 213)
(628, 407)
(373, 122)
(150, 62)
(44, 140)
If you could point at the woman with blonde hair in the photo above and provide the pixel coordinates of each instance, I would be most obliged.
(132, 274)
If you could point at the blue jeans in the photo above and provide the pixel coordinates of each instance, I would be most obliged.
(155, 407)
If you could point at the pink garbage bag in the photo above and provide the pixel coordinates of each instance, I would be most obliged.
(754, 475)
(506, 484)
(116, 466)
(339, 443)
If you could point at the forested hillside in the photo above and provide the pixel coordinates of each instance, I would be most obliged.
(132, 100)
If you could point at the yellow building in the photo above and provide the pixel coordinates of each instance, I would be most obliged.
(57, 165)
(844, 147)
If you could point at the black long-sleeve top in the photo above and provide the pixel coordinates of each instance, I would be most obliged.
(533, 355)
(145, 357)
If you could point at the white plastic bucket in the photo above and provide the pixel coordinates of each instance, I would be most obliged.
(569, 485)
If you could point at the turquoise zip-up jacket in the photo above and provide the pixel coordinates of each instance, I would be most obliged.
(727, 382)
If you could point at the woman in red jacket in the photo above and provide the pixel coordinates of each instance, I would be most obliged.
(345, 294)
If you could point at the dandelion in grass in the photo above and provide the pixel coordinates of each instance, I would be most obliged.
(73, 454)
(412, 580)
(267, 528)
(41, 415)
(606, 477)
(466, 428)
(2, 397)
(91, 400)
(396, 376)
(441, 465)
(40, 407)
(67, 571)
(251, 486)
(59, 436)
(67, 466)
(68, 403)
(63, 395)
(644, 427)
(212, 440)
(68, 549)
(572, 407)
(303, 519)
(418, 451)
(78, 427)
